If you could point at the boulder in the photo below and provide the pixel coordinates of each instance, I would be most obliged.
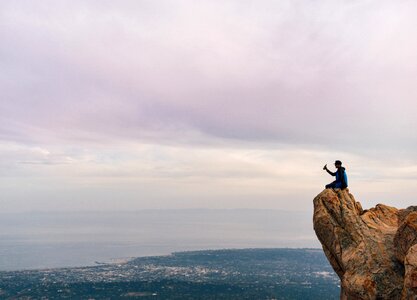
(372, 251)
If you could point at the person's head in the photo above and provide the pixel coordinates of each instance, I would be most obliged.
(338, 164)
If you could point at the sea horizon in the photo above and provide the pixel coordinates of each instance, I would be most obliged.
(37, 240)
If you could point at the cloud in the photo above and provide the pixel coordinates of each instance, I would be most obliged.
(293, 72)
(88, 86)
(137, 176)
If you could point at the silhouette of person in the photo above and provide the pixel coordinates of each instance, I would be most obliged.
(341, 181)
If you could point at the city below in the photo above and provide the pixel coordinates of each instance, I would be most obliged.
(210, 274)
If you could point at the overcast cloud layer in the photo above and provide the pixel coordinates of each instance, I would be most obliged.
(219, 104)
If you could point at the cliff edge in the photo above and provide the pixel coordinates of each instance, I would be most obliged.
(374, 252)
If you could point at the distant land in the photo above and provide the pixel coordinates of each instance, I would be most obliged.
(210, 274)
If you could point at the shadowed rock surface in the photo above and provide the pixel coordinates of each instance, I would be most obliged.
(371, 250)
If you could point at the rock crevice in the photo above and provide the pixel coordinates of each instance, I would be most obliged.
(373, 251)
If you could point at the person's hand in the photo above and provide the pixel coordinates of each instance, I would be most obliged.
(325, 167)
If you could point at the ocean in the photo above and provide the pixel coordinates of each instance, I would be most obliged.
(40, 240)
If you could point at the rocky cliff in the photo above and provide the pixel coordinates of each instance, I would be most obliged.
(373, 251)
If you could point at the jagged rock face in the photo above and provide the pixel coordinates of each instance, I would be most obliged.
(406, 235)
(410, 276)
(360, 246)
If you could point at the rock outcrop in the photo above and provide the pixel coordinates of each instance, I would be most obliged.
(374, 252)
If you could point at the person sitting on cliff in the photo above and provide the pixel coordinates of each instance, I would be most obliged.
(341, 181)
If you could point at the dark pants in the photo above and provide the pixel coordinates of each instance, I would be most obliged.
(334, 185)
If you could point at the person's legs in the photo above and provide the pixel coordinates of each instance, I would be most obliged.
(338, 185)
(333, 185)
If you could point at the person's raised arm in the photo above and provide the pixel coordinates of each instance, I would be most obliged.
(328, 171)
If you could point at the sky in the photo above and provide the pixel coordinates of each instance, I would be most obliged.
(127, 105)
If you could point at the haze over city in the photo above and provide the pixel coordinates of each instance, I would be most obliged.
(128, 105)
